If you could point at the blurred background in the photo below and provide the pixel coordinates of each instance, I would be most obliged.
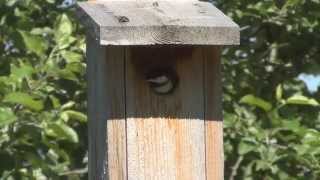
(271, 91)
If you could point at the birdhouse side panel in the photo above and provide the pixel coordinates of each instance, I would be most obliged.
(106, 111)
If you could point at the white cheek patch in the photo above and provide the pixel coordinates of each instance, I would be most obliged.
(159, 80)
(165, 88)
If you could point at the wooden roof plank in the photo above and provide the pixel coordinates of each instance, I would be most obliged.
(158, 22)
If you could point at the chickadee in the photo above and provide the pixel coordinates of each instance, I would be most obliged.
(162, 81)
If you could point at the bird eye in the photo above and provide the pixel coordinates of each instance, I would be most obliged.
(162, 81)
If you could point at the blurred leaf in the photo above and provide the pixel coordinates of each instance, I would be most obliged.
(65, 42)
(312, 136)
(55, 101)
(255, 101)
(66, 74)
(25, 100)
(71, 57)
(62, 130)
(34, 43)
(11, 2)
(20, 72)
(293, 2)
(262, 165)
(63, 31)
(246, 147)
(6, 116)
(76, 115)
(302, 100)
(50, 1)
(41, 31)
(78, 68)
(64, 25)
(293, 125)
(279, 92)
(68, 105)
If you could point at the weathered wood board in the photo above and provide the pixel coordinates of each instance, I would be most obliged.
(106, 111)
(157, 22)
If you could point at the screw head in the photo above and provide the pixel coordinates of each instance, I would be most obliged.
(123, 19)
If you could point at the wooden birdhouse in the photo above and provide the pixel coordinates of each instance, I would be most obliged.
(154, 88)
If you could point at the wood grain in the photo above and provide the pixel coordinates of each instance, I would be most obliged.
(106, 111)
(137, 134)
(116, 123)
(157, 22)
(165, 133)
(96, 135)
(213, 114)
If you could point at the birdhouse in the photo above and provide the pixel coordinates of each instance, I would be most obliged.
(154, 88)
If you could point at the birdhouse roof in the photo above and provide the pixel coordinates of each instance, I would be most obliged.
(166, 22)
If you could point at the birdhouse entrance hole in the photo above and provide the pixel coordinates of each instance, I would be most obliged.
(158, 66)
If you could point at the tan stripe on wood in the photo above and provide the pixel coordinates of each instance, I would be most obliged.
(214, 150)
(213, 114)
(116, 124)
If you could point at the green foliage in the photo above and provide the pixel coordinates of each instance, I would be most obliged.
(255, 101)
(6, 117)
(301, 100)
(42, 92)
(25, 100)
(272, 123)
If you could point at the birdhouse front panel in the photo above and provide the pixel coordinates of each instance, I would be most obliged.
(167, 132)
